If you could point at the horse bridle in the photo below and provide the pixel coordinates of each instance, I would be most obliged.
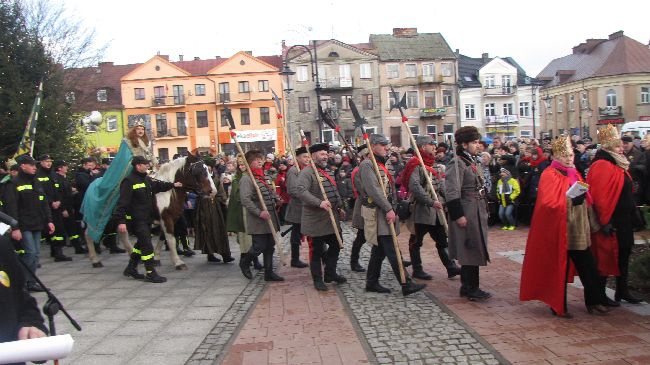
(192, 169)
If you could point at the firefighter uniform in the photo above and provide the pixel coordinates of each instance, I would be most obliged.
(57, 239)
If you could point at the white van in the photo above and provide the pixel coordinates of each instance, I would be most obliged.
(639, 128)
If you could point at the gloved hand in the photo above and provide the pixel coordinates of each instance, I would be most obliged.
(608, 229)
(578, 200)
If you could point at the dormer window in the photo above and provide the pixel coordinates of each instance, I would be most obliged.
(70, 97)
(102, 95)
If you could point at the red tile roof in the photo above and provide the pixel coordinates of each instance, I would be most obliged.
(85, 82)
(199, 67)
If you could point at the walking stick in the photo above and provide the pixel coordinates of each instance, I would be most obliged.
(359, 122)
(405, 123)
(233, 135)
(322, 191)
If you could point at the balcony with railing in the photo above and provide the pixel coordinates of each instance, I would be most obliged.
(433, 112)
(171, 133)
(430, 79)
(168, 101)
(336, 83)
(610, 112)
(499, 90)
(234, 98)
(493, 120)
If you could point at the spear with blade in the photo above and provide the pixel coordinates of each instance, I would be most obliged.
(233, 135)
(326, 117)
(359, 121)
(405, 122)
(322, 191)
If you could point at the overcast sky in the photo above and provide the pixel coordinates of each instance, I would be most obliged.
(533, 33)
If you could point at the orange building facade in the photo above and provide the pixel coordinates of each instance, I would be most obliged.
(182, 103)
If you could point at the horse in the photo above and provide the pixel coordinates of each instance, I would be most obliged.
(193, 174)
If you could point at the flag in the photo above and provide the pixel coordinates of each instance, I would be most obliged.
(29, 136)
(278, 105)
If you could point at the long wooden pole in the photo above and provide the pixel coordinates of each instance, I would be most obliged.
(322, 191)
(278, 242)
(391, 226)
(432, 191)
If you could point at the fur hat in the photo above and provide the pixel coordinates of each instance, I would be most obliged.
(301, 150)
(319, 147)
(466, 134)
(252, 155)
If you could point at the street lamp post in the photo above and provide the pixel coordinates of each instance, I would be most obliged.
(313, 60)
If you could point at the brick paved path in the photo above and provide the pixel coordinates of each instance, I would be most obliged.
(526, 333)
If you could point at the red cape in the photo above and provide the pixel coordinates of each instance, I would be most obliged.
(543, 273)
(605, 183)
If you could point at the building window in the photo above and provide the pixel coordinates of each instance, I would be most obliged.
(345, 102)
(645, 95)
(303, 104)
(490, 110)
(91, 128)
(182, 151)
(572, 102)
(489, 81)
(244, 87)
(470, 112)
(447, 69)
(524, 109)
(508, 109)
(159, 92)
(549, 105)
(302, 73)
(161, 124)
(224, 92)
(163, 154)
(392, 99)
(410, 70)
(392, 70)
(432, 130)
(181, 124)
(111, 123)
(430, 99)
(224, 120)
(263, 85)
(138, 93)
(610, 98)
(371, 130)
(245, 116)
(584, 100)
(412, 99)
(102, 95)
(367, 102)
(328, 136)
(525, 134)
(365, 71)
(415, 130)
(428, 69)
(201, 119)
(69, 97)
(448, 128)
(199, 89)
(264, 115)
(560, 104)
(447, 99)
(506, 84)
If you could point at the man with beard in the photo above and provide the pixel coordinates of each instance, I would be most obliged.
(293, 213)
(427, 213)
(466, 200)
(378, 212)
(315, 214)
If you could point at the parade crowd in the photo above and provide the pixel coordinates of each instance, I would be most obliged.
(452, 192)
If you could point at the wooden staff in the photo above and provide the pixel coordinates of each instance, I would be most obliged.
(233, 135)
(359, 123)
(322, 190)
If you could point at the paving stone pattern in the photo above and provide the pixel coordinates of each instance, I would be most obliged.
(406, 330)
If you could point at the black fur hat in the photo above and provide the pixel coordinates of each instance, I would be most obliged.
(301, 150)
(467, 134)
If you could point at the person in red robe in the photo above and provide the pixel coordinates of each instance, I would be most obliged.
(560, 231)
(614, 207)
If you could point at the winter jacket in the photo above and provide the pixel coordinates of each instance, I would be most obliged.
(137, 192)
(27, 203)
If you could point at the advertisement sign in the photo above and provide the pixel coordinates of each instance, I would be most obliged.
(256, 135)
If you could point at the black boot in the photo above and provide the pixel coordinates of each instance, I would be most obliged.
(79, 249)
(59, 256)
(319, 284)
(339, 279)
(227, 259)
(354, 252)
(256, 263)
(151, 275)
(132, 268)
(269, 275)
(245, 265)
(474, 292)
(213, 258)
(295, 256)
(411, 287)
(376, 288)
(452, 269)
(187, 251)
(416, 261)
(622, 291)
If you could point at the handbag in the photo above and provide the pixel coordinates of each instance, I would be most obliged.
(403, 210)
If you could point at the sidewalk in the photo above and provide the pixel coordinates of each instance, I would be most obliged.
(526, 332)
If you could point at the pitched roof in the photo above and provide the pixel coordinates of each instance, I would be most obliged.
(617, 55)
(199, 67)
(86, 81)
(468, 69)
(421, 46)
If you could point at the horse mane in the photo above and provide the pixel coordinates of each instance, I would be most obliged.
(167, 171)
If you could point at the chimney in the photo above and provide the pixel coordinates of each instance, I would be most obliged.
(457, 52)
(196, 58)
(405, 32)
(485, 57)
(180, 57)
(615, 35)
(250, 53)
(105, 64)
(165, 56)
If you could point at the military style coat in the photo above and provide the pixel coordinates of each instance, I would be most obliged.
(252, 206)
(293, 213)
(466, 197)
(423, 210)
(316, 221)
(357, 219)
(375, 201)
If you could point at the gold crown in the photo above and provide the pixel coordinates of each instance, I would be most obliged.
(139, 123)
(608, 136)
(561, 146)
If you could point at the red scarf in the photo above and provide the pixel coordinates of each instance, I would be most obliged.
(259, 176)
(429, 160)
(327, 176)
(355, 193)
(573, 176)
(540, 158)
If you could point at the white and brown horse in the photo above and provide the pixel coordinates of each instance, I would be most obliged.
(193, 174)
